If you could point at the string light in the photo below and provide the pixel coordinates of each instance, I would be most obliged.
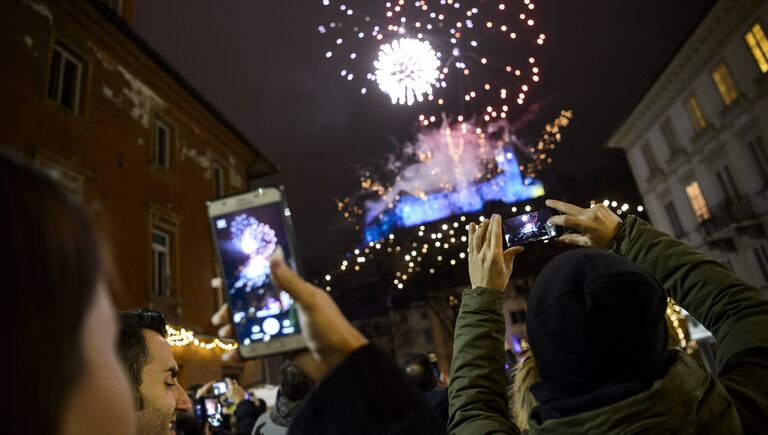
(617, 207)
(674, 314)
(182, 337)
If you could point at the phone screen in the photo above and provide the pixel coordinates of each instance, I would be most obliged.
(219, 388)
(213, 411)
(247, 238)
(529, 227)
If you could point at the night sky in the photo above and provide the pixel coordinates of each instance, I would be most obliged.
(261, 63)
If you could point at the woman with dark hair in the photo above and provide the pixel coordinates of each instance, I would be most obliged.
(65, 376)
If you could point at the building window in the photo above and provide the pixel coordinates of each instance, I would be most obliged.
(694, 112)
(698, 203)
(761, 257)
(725, 84)
(65, 79)
(727, 183)
(674, 219)
(650, 159)
(218, 181)
(758, 154)
(161, 263)
(668, 131)
(161, 155)
(759, 45)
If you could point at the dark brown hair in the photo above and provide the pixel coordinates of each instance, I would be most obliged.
(49, 264)
(132, 346)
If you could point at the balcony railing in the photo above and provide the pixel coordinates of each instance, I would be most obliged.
(727, 212)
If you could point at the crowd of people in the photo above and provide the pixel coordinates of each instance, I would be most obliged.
(82, 368)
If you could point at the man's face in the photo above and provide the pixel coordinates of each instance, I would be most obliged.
(162, 395)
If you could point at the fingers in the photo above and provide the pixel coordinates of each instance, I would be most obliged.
(568, 221)
(290, 281)
(510, 254)
(221, 316)
(494, 242)
(564, 207)
(472, 229)
(226, 331)
(575, 239)
(479, 239)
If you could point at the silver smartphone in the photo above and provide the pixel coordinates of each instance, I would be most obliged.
(247, 228)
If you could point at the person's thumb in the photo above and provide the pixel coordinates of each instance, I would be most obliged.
(286, 278)
(509, 255)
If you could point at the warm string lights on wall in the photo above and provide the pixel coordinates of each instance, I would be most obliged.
(184, 337)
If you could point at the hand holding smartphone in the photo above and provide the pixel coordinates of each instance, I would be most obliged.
(247, 230)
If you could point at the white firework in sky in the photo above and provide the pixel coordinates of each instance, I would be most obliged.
(487, 52)
(406, 70)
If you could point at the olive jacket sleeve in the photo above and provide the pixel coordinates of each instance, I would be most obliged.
(735, 312)
(477, 400)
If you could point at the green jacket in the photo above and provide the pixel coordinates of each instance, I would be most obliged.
(686, 400)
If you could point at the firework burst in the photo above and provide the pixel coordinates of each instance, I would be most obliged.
(486, 51)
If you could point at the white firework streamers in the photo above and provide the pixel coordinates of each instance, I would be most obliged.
(406, 70)
(258, 241)
(487, 51)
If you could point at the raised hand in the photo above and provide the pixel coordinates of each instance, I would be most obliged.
(597, 226)
(489, 265)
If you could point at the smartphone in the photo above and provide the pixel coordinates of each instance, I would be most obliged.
(213, 411)
(247, 228)
(530, 227)
(219, 388)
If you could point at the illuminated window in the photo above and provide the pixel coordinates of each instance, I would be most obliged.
(759, 45)
(694, 112)
(698, 203)
(725, 84)
(65, 79)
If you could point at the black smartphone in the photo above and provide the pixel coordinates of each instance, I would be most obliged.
(247, 229)
(530, 227)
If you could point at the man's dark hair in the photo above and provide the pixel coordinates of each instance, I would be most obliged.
(132, 345)
(418, 367)
(294, 384)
